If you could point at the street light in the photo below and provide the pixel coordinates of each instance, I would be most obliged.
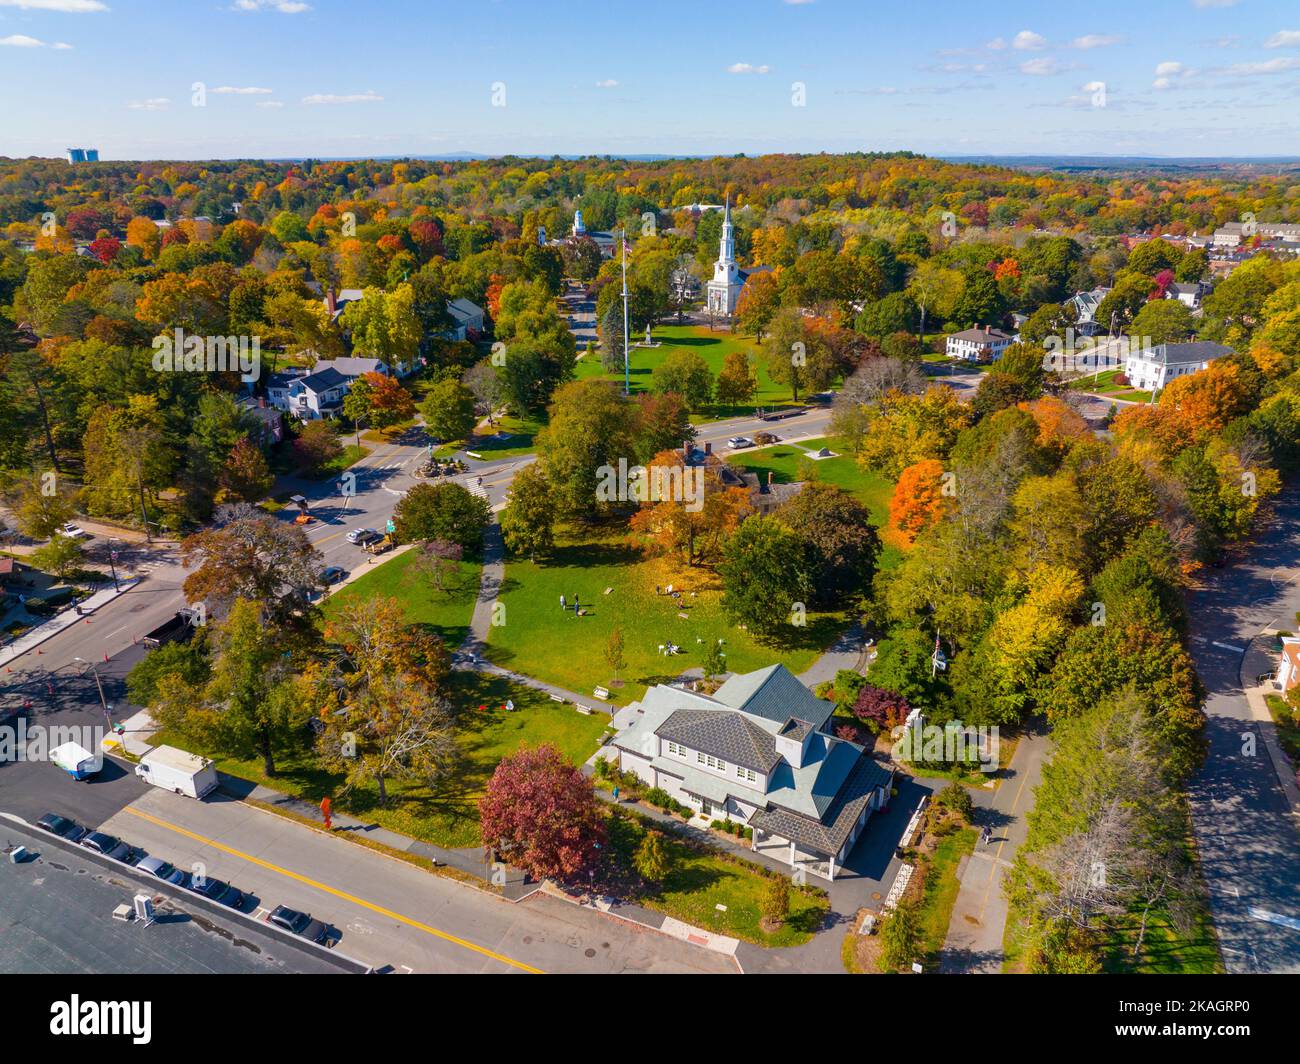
(108, 710)
(112, 563)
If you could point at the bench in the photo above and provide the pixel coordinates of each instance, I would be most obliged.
(584, 710)
(557, 698)
(601, 692)
(474, 455)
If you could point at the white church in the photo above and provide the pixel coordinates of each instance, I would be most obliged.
(723, 291)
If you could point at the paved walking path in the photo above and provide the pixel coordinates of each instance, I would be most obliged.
(979, 915)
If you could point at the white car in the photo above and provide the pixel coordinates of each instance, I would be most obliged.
(71, 531)
(737, 442)
(362, 535)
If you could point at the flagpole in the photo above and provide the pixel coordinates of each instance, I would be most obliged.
(627, 372)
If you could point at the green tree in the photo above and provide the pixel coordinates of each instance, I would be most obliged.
(775, 903)
(687, 374)
(60, 556)
(652, 859)
(449, 410)
(528, 520)
(900, 938)
(592, 426)
(766, 575)
(736, 382)
(441, 511)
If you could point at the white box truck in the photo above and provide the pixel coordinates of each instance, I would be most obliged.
(178, 771)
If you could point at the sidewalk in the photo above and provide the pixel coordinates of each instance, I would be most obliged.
(63, 621)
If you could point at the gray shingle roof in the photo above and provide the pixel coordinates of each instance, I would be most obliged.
(825, 837)
(776, 694)
(322, 381)
(726, 735)
(1194, 352)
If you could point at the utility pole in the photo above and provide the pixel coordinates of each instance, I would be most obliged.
(627, 371)
(112, 563)
(108, 712)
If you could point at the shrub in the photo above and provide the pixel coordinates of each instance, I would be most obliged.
(659, 797)
(775, 904)
(956, 798)
(602, 768)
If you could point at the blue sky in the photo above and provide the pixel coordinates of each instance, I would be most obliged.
(390, 77)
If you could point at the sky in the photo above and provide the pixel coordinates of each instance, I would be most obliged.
(202, 79)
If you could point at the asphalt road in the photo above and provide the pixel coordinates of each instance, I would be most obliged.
(1247, 837)
(383, 911)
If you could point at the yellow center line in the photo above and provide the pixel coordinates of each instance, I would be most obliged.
(998, 856)
(339, 894)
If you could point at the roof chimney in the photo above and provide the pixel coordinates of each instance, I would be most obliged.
(331, 301)
(988, 330)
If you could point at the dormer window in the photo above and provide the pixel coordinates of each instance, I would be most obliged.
(748, 775)
(712, 762)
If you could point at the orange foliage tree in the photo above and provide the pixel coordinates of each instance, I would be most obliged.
(918, 500)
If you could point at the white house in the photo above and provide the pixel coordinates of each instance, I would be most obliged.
(1085, 311)
(1288, 668)
(979, 345)
(1189, 293)
(1149, 370)
(319, 394)
(758, 752)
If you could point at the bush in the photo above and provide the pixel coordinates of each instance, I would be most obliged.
(775, 904)
(956, 798)
(602, 767)
(659, 797)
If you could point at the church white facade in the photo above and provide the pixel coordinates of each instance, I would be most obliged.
(723, 292)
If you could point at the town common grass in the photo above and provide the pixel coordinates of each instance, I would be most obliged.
(445, 613)
(445, 814)
(539, 639)
(792, 462)
(713, 347)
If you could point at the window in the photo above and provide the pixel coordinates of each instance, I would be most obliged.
(712, 762)
(746, 774)
(676, 750)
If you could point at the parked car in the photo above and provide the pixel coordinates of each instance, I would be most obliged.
(300, 924)
(332, 574)
(62, 827)
(216, 890)
(108, 845)
(763, 439)
(164, 870)
(73, 531)
(380, 546)
(362, 536)
(737, 442)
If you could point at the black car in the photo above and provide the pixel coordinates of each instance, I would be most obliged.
(107, 845)
(300, 924)
(216, 890)
(62, 827)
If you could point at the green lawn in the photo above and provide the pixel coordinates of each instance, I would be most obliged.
(789, 462)
(713, 347)
(1104, 384)
(522, 435)
(1288, 725)
(446, 613)
(700, 881)
(447, 813)
(940, 893)
(539, 639)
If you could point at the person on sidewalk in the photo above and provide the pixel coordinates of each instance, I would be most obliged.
(563, 605)
(985, 835)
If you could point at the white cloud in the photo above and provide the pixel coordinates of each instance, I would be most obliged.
(285, 7)
(747, 68)
(70, 7)
(608, 83)
(61, 46)
(996, 45)
(270, 104)
(1095, 40)
(1040, 67)
(249, 90)
(369, 96)
(20, 41)
(1280, 65)
(1169, 72)
(1029, 41)
(1164, 70)
(1284, 39)
(157, 103)
(1215, 3)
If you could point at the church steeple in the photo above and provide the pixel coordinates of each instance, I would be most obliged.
(727, 252)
